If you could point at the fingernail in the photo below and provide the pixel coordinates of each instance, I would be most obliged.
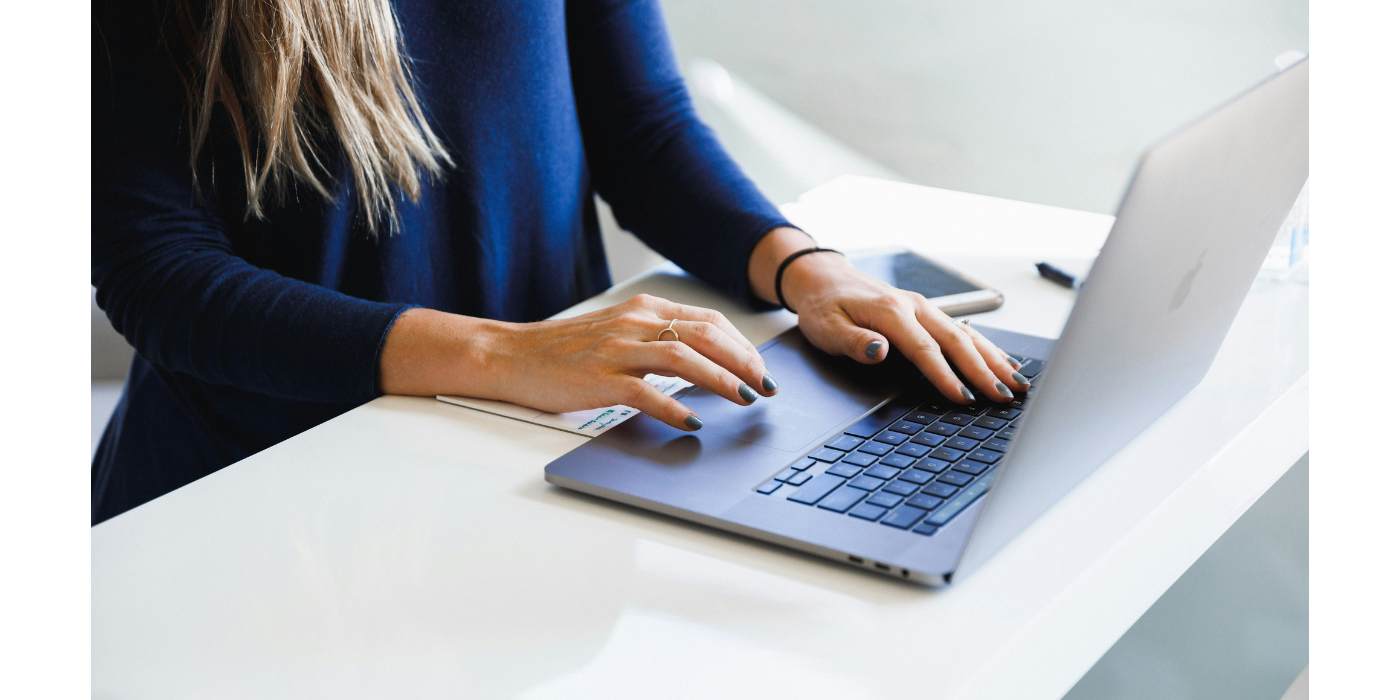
(1005, 392)
(1014, 364)
(1020, 379)
(768, 383)
(966, 394)
(872, 350)
(747, 393)
(693, 421)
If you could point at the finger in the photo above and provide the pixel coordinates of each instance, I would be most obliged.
(837, 334)
(959, 348)
(765, 382)
(721, 348)
(913, 339)
(641, 395)
(999, 362)
(683, 361)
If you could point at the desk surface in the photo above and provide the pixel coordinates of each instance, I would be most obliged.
(412, 549)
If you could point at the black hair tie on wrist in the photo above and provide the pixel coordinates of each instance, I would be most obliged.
(778, 278)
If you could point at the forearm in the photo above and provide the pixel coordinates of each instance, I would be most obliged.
(429, 352)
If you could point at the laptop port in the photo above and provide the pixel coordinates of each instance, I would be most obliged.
(904, 572)
(882, 567)
(855, 559)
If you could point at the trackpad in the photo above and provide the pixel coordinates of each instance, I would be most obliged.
(816, 393)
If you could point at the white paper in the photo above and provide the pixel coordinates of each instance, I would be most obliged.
(591, 422)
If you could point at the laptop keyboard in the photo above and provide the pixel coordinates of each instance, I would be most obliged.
(913, 464)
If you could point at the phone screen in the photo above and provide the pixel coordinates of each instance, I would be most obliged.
(913, 273)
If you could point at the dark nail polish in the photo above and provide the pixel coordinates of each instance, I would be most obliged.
(872, 350)
(747, 393)
(1005, 392)
(693, 422)
(966, 394)
(768, 383)
(1020, 379)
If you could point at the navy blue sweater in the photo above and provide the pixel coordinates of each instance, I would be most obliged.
(248, 332)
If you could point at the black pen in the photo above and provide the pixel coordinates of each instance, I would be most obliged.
(1056, 275)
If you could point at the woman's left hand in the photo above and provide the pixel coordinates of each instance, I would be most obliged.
(846, 312)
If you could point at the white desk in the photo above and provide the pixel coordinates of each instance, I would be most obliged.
(412, 549)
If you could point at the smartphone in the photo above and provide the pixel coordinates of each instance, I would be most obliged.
(955, 293)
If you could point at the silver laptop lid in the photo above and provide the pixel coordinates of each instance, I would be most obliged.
(1192, 232)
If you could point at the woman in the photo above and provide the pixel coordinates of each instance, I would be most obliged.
(301, 205)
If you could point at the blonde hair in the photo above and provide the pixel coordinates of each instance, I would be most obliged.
(301, 67)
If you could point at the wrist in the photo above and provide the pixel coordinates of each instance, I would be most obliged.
(770, 252)
(805, 280)
(430, 352)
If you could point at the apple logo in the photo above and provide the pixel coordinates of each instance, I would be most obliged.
(1183, 288)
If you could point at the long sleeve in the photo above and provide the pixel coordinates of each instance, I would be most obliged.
(163, 263)
(659, 167)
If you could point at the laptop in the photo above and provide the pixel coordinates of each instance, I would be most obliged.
(869, 466)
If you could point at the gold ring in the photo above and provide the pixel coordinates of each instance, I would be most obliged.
(669, 327)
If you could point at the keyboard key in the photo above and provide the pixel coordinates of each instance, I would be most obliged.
(826, 454)
(845, 443)
(1031, 368)
(862, 459)
(912, 450)
(906, 427)
(904, 516)
(786, 474)
(920, 417)
(884, 500)
(876, 448)
(881, 471)
(917, 476)
(816, 489)
(925, 502)
(940, 490)
(973, 409)
(968, 466)
(932, 465)
(1004, 413)
(997, 444)
(891, 438)
(956, 418)
(961, 501)
(990, 423)
(946, 454)
(865, 511)
(925, 528)
(955, 478)
(799, 478)
(1017, 403)
(927, 439)
(960, 443)
(875, 422)
(770, 487)
(804, 464)
(975, 433)
(901, 488)
(1006, 433)
(843, 470)
(988, 456)
(866, 483)
(941, 429)
(898, 461)
(842, 499)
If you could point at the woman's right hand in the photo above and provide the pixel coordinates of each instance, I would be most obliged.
(590, 361)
